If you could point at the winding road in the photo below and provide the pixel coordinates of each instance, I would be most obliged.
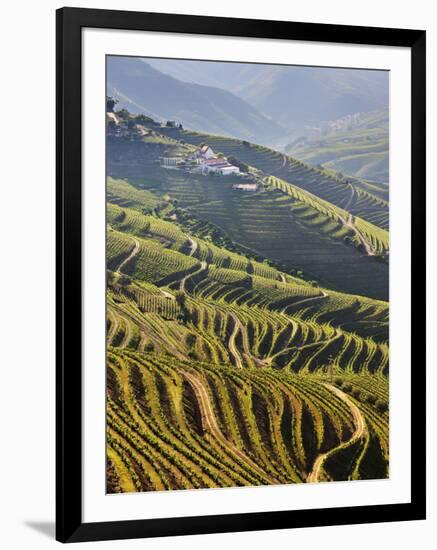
(232, 347)
(349, 223)
(349, 202)
(284, 162)
(364, 241)
(193, 245)
(134, 252)
(360, 431)
(306, 300)
(203, 266)
(209, 423)
(167, 294)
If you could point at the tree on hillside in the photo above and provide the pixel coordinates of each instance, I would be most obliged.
(181, 302)
(381, 406)
(239, 164)
(143, 119)
(180, 299)
(110, 104)
(124, 114)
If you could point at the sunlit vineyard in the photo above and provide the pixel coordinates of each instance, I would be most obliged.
(247, 333)
(180, 425)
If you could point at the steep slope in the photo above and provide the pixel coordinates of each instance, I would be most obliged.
(201, 383)
(140, 88)
(175, 425)
(368, 201)
(337, 248)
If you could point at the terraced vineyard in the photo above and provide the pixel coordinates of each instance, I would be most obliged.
(179, 425)
(311, 223)
(318, 182)
(247, 334)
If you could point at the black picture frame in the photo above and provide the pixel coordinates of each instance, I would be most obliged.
(69, 525)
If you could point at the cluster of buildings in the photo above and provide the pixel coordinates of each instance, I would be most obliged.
(202, 161)
(205, 161)
(218, 166)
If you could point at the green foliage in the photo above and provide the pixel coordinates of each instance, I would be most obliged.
(310, 240)
(219, 341)
(371, 399)
(262, 426)
(156, 264)
(143, 119)
(240, 164)
(361, 151)
(121, 193)
(381, 406)
(118, 248)
(123, 114)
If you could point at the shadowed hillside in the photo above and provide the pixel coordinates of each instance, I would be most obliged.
(325, 244)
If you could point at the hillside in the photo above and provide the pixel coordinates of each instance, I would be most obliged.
(296, 97)
(356, 146)
(142, 89)
(247, 315)
(311, 222)
(220, 367)
(225, 427)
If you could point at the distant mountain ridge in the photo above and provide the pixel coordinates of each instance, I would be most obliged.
(143, 89)
(294, 96)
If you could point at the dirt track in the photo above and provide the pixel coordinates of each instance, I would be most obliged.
(349, 223)
(210, 423)
(351, 198)
(134, 252)
(232, 347)
(360, 431)
(194, 246)
(203, 266)
(322, 296)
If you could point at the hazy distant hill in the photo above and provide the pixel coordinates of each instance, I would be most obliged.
(356, 145)
(141, 88)
(293, 96)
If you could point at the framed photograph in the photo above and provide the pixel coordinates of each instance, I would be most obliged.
(240, 275)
